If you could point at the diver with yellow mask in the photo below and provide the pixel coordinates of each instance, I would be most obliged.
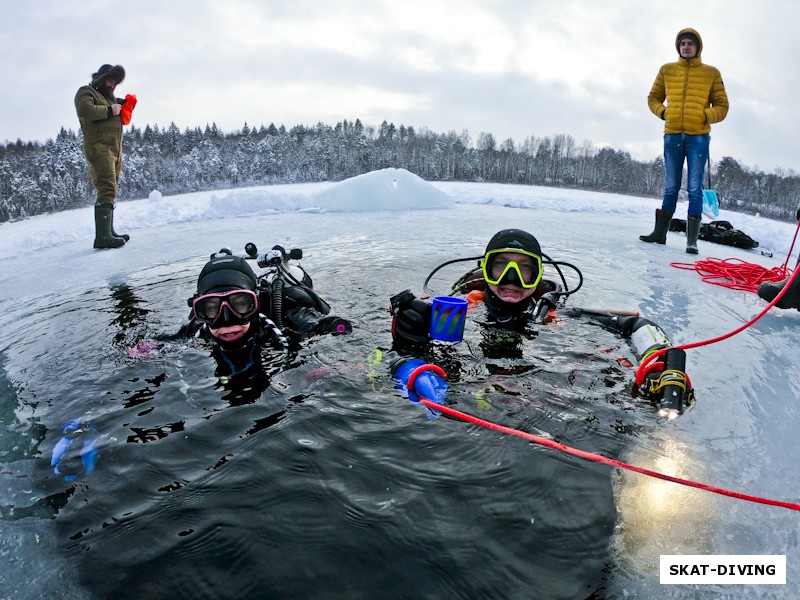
(510, 282)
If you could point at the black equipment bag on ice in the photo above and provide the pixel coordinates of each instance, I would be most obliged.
(677, 225)
(722, 232)
(718, 232)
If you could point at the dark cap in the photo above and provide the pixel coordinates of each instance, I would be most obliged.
(226, 273)
(514, 239)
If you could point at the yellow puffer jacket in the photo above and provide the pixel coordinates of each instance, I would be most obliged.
(694, 93)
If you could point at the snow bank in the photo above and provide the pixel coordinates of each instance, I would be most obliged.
(387, 189)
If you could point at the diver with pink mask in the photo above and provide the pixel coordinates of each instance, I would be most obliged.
(241, 313)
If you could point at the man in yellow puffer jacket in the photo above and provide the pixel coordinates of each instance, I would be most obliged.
(695, 98)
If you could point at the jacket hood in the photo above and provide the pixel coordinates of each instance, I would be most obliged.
(690, 31)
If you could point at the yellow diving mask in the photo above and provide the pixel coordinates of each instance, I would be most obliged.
(512, 266)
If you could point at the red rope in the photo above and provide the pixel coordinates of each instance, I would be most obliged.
(642, 371)
(734, 273)
(742, 276)
(412, 378)
(794, 239)
(737, 274)
(601, 459)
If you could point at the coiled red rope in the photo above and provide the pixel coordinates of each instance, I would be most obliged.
(601, 459)
(746, 277)
(737, 274)
(643, 369)
(734, 273)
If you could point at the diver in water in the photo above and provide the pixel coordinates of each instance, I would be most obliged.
(769, 290)
(241, 313)
(509, 282)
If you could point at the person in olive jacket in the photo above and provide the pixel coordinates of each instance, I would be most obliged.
(99, 114)
(695, 98)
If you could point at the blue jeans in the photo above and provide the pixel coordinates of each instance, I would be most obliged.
(680, 147)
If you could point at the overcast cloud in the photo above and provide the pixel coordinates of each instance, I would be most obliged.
(514, 68)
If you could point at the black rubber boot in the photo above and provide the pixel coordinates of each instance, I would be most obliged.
(124, 236)
(791, 299)
(103, 238)
(659, 235)
(692, 231)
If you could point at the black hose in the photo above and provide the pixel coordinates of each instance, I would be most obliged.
(555, 264)
(549, 261)
(319, 304)
(277, 302)
(444, 264)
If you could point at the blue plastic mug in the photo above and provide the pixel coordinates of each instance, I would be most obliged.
(448, 317)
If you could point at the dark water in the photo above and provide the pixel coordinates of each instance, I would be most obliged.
(327, 483)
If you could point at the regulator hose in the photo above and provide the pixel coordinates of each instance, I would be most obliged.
(277, 302)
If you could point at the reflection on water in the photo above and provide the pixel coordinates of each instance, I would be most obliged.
(659, 517)
(130, 315)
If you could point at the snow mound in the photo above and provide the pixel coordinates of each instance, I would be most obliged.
(386, 189)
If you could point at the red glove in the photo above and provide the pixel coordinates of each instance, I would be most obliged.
(127, 109)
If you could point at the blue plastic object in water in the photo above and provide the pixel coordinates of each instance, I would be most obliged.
(427, 384)
(75, 453)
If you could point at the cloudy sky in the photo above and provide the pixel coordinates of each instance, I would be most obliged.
(514, 68)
